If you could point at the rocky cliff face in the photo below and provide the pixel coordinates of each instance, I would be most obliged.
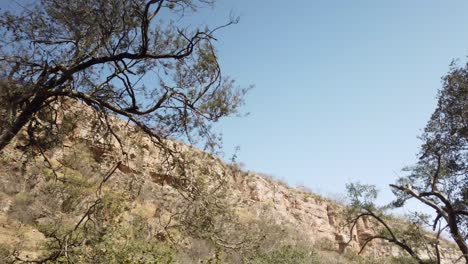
(143, 169)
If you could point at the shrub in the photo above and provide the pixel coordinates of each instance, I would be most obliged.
(286, 255)
(22, 208)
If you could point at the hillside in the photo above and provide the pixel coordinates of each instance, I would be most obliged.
(97, 199)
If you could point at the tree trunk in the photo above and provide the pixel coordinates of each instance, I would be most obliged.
(461, 245)
(455, 232)
(23, 118)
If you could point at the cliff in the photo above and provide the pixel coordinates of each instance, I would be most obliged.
(186, 201)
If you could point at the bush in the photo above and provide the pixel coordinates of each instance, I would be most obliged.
(22, 208)
(286, 255)
(6, 255)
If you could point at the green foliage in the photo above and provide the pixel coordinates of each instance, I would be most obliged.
(6, 253)
(439, 179)
(102, 236)
(103, 60)
(285, 255)
(403, 260)
(21, 208)
(124, 246)
(70, 188)
(325, 244)
(408, 234)
(81, 159)
(362, 195)
(352, 257)
(116, 243)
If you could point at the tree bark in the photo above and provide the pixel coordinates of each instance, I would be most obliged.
(22, 119)
(446, 211)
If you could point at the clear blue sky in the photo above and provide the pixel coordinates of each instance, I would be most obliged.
(342, 88)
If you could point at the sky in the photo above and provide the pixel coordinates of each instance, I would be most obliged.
(342, 88)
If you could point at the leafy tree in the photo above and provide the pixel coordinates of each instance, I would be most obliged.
(409, 237)
(438, 180)
(131, 59)
(128, 58)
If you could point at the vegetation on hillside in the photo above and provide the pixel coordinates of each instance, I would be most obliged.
(80, 204)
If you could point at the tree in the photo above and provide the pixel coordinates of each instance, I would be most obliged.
(122, 57)
(440, 177)
(133, 60)
(410, 236)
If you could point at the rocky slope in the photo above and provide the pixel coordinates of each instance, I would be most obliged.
(157, 188)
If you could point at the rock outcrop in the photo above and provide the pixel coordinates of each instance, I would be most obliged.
(138, 161)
